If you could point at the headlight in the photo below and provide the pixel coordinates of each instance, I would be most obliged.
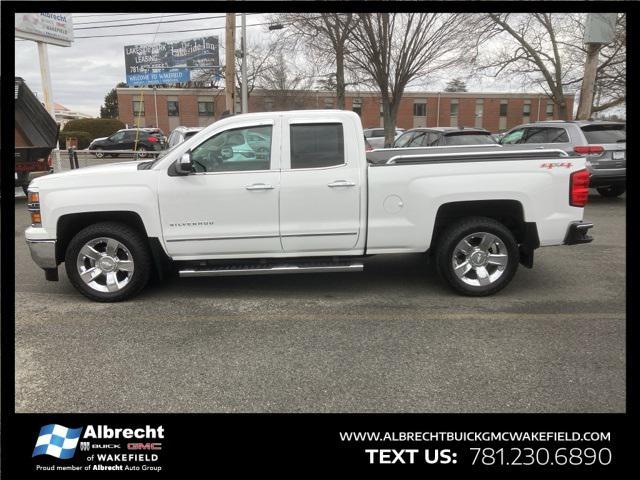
(33, 205)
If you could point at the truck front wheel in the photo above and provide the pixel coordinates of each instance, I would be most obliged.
(108, 262)
(477, 256)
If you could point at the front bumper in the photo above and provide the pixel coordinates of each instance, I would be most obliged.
(43, 252)
(577, 233)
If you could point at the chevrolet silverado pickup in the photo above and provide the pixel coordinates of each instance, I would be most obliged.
(294, 192)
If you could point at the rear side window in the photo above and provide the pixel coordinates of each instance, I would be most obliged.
(468, 139)
(605, 133)
(317, 145)
(546, 135)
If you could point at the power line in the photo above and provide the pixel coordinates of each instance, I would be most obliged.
(153, 23)
(175, 31)
(136, 18)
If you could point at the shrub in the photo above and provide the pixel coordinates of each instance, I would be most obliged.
(84, 139)
(96, 127)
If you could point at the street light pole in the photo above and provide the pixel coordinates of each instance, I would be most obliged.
(155, 103)
(245, 93)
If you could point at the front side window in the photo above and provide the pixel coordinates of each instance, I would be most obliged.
(417, 140)
(317, 145)
(513, 137)
(117, 137)
(403, 139)
(240, 149)
(205, 109)
(172, 108)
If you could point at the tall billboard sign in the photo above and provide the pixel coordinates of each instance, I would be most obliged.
(53, 28)
(170, 62)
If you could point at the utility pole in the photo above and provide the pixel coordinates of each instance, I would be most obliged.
(599, 30)
(230, 63)
(245, 92)
(588, 81)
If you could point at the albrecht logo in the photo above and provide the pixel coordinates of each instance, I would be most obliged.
(57, 441)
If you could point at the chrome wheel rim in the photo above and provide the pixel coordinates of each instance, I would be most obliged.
(142, 153)
(99, 154)
(105, 265)
(480, 259)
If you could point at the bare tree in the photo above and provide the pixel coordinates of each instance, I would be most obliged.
(326, 35)
(534, 50)
(260, 59)
(286, 85)
(394, 49)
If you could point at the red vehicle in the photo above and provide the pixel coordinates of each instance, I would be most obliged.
(36, 134)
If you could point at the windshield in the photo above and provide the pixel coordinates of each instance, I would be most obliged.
(468, 139)
(605, 133)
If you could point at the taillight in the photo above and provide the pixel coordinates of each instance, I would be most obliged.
(589, 149)
(579, 188)
(152, 139)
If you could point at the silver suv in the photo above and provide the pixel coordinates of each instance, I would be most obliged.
(602, 143)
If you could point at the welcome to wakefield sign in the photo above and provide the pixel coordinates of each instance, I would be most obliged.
(170, 62)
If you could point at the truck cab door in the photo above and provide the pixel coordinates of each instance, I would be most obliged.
(323, 186)
(228, 207)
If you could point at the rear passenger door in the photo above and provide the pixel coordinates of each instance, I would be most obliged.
(320, 187)
(547, 137)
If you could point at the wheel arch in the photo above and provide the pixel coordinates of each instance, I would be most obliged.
(70, 224)
(508, 212)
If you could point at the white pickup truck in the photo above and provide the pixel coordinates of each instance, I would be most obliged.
(294, 192)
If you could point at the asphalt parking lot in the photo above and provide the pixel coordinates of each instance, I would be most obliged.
(390, 339)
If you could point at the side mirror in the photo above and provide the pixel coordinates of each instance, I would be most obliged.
(184, 166)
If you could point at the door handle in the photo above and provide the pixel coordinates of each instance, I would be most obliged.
(342, 183)
(259, 186)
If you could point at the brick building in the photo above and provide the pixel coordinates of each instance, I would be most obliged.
(200, 107)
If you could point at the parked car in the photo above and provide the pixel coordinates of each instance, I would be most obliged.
(142, 140)
(443, 137)
(603, 143)
(375, 136)
(313, 204)
(180, 134)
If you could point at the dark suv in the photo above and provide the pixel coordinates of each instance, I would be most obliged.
(602, 143)
(142, 140)
(443, 137)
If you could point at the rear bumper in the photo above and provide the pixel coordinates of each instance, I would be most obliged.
(604, 178)
(578, 233)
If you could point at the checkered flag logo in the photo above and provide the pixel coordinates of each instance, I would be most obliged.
(57, 441)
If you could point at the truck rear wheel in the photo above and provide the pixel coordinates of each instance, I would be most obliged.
(108, 262)
(477, 256)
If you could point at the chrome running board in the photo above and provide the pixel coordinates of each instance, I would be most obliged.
(273, 269)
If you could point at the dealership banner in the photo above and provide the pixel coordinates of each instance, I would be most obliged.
(170, 62)
(170, 446)
(54, 28)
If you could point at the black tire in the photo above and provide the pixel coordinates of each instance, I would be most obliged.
(141, 152)
(99, 153)
(131, 239)
(611, 191)
(455, 233)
